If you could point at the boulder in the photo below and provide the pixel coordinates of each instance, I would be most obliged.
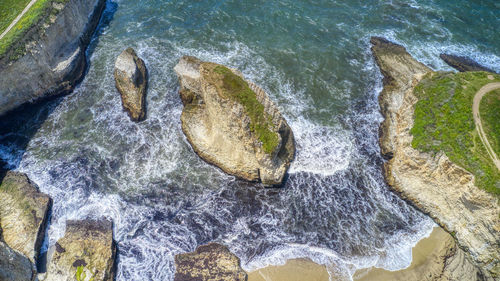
(211, 262)
(131, 81)
(463, 64)
(86, 252)
(232, 123)
(23, 214)
(431, 182)
(15, 266)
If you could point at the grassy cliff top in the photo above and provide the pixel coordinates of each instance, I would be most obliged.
(236, 88)
(444, 122)
(40, 13)
(490, 117)
(10, 10)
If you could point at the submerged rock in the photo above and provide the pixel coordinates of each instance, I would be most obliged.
(131, 81)
(463, 64)
(23, 214)
(209, 262)
(431, 182)
(232, 123)
(86, 252)
(15, 266)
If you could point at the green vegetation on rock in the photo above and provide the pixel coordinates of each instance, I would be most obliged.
(444, 122)
(40, 13)
(237, 89)
(80, 274)
(490, 118)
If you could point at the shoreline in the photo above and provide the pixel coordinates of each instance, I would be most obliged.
(426, 257)
(299, 269)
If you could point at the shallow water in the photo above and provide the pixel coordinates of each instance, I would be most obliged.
(313, 59)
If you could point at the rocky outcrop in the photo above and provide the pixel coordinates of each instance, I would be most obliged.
(23, 214)
(453, 262)
(432, 183)
(232, 123)
(14, 266)
(131, 81)
(87, 251)
(209, 262)
(463, 64)
(54, 60)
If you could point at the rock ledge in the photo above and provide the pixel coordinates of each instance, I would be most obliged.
(209, 262)
(87, 249)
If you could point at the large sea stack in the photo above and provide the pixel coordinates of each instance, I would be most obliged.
(231, 122)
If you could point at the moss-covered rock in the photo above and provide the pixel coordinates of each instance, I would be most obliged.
(232, 123)
(86, 252)
(211, 262)
(23, 214)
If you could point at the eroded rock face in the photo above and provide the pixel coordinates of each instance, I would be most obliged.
(211, 262)
(463, 64)
(432, 183)
(232, 123)
(131, 81)
(87, 250)
(23, 214)
(15, 266)
(55, 55)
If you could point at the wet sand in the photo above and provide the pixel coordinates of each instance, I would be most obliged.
(293, 270)
(425, 258)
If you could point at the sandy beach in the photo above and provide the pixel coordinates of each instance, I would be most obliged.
(293, 270)
(425, 259)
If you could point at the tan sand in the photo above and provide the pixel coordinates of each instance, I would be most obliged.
(293, 270)
(425, 258)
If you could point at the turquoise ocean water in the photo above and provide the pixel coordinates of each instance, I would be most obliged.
(313, 59)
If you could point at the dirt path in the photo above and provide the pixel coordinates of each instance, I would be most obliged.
(17, 18)
(477, 119)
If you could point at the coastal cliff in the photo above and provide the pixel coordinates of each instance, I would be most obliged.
(53, 54)
(431, 182)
